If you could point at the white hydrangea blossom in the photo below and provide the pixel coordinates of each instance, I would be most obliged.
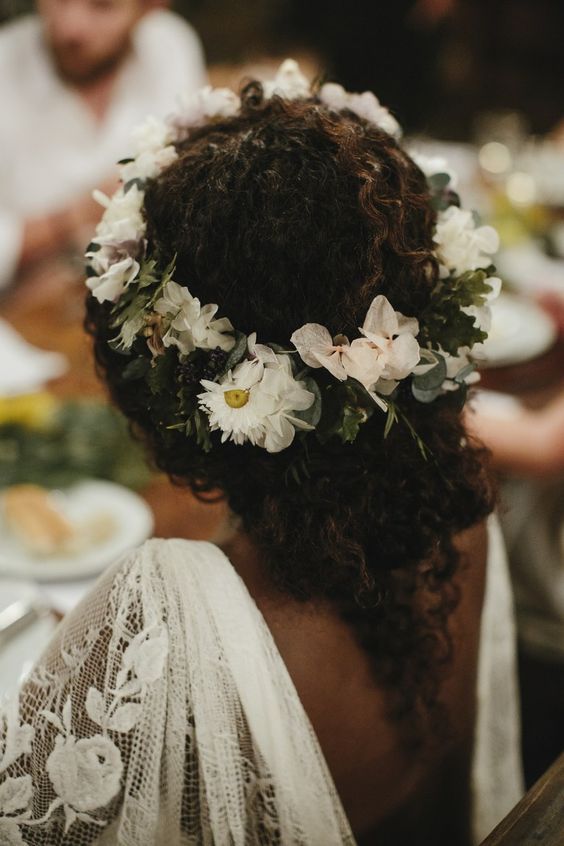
(483, 314)
(365, 105)
(111, 284)
(151, 136)
(461, 245)
(190, 325)
(204, 105)
(289, 82)
(149, 164)
(431, 165)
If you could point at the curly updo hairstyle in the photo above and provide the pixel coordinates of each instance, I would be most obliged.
(285, 214)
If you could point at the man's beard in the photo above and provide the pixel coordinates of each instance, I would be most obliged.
(80, 74)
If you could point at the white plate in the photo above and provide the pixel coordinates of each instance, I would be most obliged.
(22, 650)
(132, 523)
(25, 368)
(520, 331)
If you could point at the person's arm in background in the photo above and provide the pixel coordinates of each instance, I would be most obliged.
(522, 441)
(24, 242)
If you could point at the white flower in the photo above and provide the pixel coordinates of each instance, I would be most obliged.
(483, 314)
(121, 230)
(149, 164)
(151, 136)
(280, 396)
(365, 105)
(15, 794)
(256, 403)
(111, 285)
(289, 82)
(192, 325)
(85, 773)
(461, 245)
(10, 834)
(456, 363)
(18, 737)
(124, 206)
(204, 105)
(387, 352)
(431, 165)
(393, 336)
(233, 405)
(318, 349)
(146, 655)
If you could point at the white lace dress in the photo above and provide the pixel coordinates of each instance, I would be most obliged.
(162, 713)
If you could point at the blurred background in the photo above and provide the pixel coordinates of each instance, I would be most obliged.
(477, 82)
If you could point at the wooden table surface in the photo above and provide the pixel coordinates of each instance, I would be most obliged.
(47, 308)
(538, 819)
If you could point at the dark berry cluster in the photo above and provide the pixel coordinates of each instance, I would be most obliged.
(204, 366)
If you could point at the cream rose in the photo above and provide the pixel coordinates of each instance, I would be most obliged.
(85, 773)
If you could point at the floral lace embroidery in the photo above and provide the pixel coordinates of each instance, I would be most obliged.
(85, 773)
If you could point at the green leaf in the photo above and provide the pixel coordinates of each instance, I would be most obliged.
(464, 373)
(237, 353)
(438, 181)
(391, 418)
(160, 376)
(311, 415)
(425, 396)
(148, 273)
(137, 181)
(136, 369)
(202, 429)
(116, 346)
(352, 420)
(433, 378)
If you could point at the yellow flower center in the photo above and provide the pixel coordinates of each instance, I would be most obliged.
(236, 398)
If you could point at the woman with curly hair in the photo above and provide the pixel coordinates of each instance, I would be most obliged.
(284, 305)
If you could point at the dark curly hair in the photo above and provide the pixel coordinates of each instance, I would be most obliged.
(284, 214)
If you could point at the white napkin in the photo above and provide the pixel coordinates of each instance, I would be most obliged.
(24, 368)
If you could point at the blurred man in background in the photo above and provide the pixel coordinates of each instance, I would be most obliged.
(74, 79)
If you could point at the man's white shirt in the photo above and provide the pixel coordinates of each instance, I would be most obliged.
(52, 151)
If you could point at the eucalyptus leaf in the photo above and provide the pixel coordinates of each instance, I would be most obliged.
(237, 353)
(425, 396)
(438, 181)
(433, 378)
(137, 181)
(463, 374)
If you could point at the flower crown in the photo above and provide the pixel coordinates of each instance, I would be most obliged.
(210, 377)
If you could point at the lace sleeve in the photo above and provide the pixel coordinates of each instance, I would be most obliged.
(66, 742)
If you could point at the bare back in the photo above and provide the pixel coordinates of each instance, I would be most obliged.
(392, 794)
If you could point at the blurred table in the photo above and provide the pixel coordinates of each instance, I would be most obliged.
(539, 816)
(534, 382)
(47, 307)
